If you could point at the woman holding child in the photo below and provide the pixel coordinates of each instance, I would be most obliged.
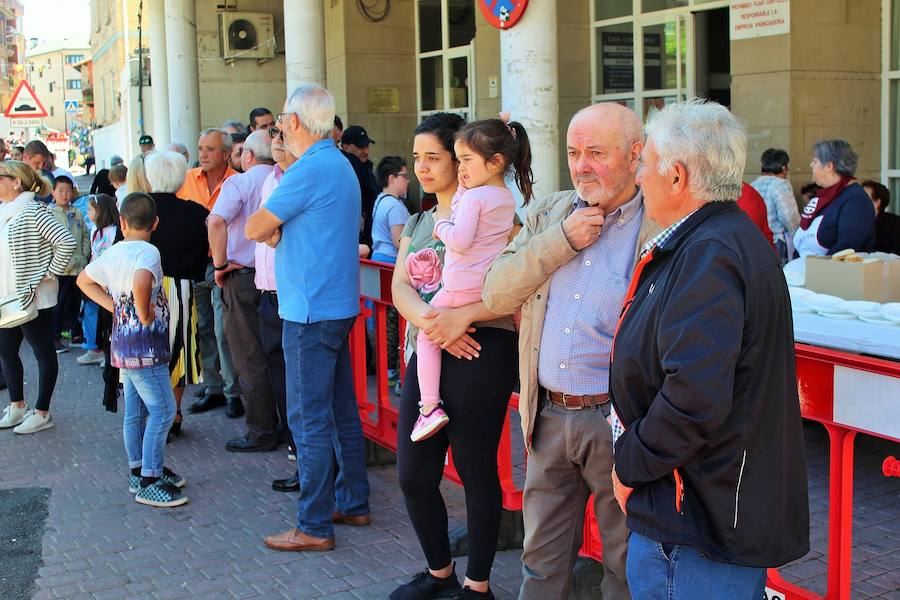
(465, 390)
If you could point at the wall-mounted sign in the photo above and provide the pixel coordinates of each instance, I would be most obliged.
(759, 18)
(383, 99)
(617, 53)
(503, 14)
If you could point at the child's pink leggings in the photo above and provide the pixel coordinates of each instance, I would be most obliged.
(428, 354)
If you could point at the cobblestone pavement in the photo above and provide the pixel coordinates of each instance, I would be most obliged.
(100, 544)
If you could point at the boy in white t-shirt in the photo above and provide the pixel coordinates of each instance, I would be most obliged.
(126, 280)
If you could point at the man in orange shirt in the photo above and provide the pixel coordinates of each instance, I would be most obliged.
(202, 185)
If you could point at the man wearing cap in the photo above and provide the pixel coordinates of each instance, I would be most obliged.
(355, 146)
(146, 144)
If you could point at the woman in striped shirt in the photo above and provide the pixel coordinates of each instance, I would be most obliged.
(34, 250)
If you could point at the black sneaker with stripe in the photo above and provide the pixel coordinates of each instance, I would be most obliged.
(161, 494)
(425, 586)
(169, 476)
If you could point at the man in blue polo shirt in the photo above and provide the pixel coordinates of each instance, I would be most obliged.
(312, 218)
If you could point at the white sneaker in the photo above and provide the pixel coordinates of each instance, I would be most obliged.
(91, 357)
(12, 416)
(34, 423)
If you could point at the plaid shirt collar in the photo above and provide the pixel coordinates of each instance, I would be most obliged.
(664, 235)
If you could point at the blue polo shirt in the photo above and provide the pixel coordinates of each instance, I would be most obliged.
(317, 260)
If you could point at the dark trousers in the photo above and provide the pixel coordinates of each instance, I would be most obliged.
(39, 333)
(475, 396)
(270, 331)
(240, 303)
(68, 305)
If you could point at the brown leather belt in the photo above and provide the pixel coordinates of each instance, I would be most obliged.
(577, 402)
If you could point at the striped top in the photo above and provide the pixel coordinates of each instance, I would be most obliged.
(39, 246)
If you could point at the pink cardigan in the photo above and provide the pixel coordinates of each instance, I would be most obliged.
(475, 234)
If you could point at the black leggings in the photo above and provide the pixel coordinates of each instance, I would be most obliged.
(475, 395)
(39, 333)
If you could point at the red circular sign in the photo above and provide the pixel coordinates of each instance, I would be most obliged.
(503, 14)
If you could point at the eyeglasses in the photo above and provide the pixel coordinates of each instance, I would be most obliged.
(280, 117)
(276, 133)
(406, 175)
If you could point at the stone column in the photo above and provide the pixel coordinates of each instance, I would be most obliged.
(304, 42)
(184, 84)
(159, 73)
(529, 80)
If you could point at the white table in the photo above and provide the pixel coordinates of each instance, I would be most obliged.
(848, 335)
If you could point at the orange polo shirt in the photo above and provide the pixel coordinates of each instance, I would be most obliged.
(195, 188)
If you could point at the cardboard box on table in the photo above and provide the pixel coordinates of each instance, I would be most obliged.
(877, 281)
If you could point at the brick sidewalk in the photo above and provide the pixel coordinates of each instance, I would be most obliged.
(100, 544)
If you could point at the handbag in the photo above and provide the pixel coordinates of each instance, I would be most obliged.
(12, 314)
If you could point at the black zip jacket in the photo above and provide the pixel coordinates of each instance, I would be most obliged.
(703, 378)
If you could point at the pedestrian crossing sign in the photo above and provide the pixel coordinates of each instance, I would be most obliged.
(71, 106)
(25, 103)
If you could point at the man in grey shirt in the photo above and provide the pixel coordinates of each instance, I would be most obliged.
(569, 269)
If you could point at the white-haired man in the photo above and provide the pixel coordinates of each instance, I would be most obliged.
(203, 185)
(706, 419)
(313, 215)
(234, 259)
(568, 269)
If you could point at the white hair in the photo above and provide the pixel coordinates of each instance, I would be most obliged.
(707, 140)
(260, 144)
(165, 171)
(178, 147)
(223, 135)
(314, 106)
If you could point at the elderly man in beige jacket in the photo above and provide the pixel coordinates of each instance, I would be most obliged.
(568, 270)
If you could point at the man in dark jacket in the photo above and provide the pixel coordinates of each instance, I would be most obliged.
(710, 464)
(355, 147)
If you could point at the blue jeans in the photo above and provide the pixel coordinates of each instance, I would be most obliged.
(89, 324)
(672, 572)
(149, 412)
(324, 420)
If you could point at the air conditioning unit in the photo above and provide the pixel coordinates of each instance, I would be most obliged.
(246, 35)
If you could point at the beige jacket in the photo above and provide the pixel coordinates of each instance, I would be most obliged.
(520, 276)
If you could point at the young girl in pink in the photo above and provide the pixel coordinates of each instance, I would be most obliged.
(481, 218)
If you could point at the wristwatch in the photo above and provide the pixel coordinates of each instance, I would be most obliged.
(222, 268)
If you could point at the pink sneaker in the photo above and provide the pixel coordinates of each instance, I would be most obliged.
(427, 425)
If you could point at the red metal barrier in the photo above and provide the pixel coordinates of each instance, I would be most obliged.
(379, 417)
(825, 380)
(847, 394)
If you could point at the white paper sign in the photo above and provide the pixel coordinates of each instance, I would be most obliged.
(758, 18)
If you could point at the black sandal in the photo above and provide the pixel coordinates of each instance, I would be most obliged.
(175, 429)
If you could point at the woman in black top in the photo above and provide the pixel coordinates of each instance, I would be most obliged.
(887, 225)
(184, 248)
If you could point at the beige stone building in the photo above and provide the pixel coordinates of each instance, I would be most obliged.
(12, 47)
(795, 70)
(50, 71)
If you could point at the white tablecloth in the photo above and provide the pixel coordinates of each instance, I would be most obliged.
(852, 336)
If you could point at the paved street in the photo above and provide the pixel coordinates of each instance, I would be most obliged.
(99, 543)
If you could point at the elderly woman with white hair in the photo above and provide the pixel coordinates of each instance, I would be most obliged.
(710, 466)
(183, 247)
